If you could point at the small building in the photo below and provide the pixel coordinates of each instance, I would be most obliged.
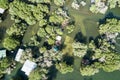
(58, 38)
(2, 10)
(28, 67)
(103, 10)
(92, 1)
(2, 53)
(19, 54)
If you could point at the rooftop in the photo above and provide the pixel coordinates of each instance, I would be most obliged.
(28, 67)
(2, 53)
(19, 54)
(2, 10)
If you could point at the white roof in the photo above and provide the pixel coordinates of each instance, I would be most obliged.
(58, 38)
(2, 53)
(2, 10)
(19, 54)
(103, 10)
(28, 67)
(92, 1)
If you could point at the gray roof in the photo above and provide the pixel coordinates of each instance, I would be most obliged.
(2, 53)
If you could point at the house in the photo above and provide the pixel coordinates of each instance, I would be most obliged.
(103, 10)
(2, 10)
(28, 67)
(19, 54)
(58, 38)
(92, 1)
(2, 53)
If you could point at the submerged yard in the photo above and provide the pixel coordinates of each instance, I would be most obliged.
(87, 24)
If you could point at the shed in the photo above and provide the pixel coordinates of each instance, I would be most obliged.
(28, 67)
(92, 1)
(19, 54)
(58, 38)
(2, 10)
(2, 53)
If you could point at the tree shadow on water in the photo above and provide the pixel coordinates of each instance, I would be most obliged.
(88, 78)
(52, 73)
(2, 31)
(68, 59)
(80, 38)
(110, 15)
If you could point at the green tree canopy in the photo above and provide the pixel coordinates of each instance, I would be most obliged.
(35, 75)
(79, 49)
(111, 26)
(56, 19)
(10, 43)
(40, 1)
(88, 70)
(16, 29)
(64, 68)
(4, 4)
(59, 2)
(28, 12)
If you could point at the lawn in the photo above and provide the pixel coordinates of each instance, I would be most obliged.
(3, 26)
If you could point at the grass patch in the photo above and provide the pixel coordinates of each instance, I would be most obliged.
(68, 46)
(31, 31)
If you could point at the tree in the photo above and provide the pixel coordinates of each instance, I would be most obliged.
(28, 12)
(70, 28)
(59, 2)
(111, 62)
(41, 32)
(113, 3)
(111, 26)
(16, 29)
(50, 41)
(93, 8)
(64, 68)
(4, 4)
(10, 43)
(34, 41)
(35, 75)
(88, 70)
(56, 19)
(42, 22)
(79, 49)
(40, 1)
(4, 63)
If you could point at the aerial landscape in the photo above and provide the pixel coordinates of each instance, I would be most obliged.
(59, 39)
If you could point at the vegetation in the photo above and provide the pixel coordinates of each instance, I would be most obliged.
(4, 4)
(113, 3)
(64, 68)
(110, 26)
(35, 75)
(79, 49)
(10, 43)
(29, 13)
(59, 2)
(4, 63)
(16, 30)
(41, 21)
